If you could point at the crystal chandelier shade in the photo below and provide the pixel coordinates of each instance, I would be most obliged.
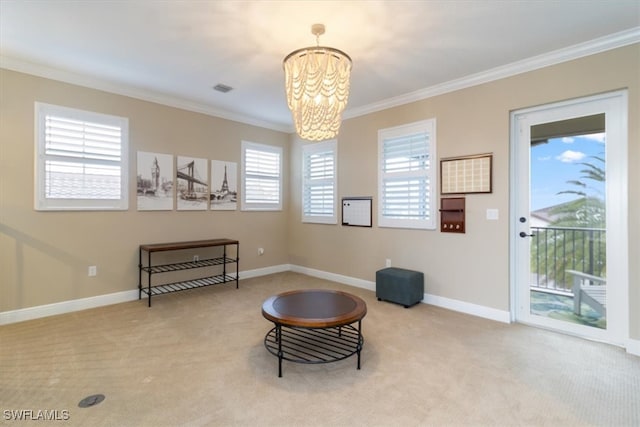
(317, 86)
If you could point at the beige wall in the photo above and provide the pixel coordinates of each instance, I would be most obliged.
(44, 261)
(472, 267)
(45, 255)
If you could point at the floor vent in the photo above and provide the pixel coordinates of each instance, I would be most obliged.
(92, 400)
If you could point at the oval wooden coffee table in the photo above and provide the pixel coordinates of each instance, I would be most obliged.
(314, 326)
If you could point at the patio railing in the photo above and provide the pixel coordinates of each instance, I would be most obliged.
(554, 250)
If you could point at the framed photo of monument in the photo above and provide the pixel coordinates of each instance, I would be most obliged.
(154, 181)
(224, 186)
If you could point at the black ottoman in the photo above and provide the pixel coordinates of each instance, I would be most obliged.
(401, 286)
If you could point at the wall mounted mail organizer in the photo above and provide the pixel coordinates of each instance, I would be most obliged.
(356, 211)
(452, 215)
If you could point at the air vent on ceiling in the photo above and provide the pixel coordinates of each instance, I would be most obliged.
(222, 88)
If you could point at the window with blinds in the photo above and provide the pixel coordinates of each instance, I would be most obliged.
(261, 177)
(81, 160)
(319, 182)
(406, 177)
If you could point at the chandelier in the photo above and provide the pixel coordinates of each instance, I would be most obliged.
(317, 85)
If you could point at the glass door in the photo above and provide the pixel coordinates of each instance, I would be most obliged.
(567, 220)
(569, 228)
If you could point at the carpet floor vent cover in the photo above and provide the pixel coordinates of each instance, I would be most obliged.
(90, 401)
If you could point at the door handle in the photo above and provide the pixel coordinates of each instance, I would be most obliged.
(523, 234)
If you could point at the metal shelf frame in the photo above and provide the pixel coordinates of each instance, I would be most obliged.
(314, 345)
(149, 269)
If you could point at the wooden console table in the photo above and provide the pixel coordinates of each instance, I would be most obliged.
(196, 262)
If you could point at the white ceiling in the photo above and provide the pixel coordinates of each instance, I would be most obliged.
(174, 52)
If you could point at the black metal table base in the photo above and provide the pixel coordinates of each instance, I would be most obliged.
(314, 345)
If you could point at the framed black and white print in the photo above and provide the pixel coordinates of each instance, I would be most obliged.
(192, 179)
(224, 186)
(154, 181)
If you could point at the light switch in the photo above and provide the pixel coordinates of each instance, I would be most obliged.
(492, 214)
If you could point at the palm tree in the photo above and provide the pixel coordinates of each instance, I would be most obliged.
(581, 243)
(588, 210)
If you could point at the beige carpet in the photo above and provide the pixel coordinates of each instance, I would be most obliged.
(197, 358)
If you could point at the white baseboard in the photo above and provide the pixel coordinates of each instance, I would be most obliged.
(14, 316)
(264, 271)
(633, 347)
(468, 308)
(448, 303)
(70, 306)
(30, 313)
(346, 280)
(63, 307)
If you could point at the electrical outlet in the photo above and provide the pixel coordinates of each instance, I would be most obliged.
(196, 258)
(387, 263)
(93, 270)
(260, 251)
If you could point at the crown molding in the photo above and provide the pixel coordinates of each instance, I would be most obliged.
(19, 65)
(612, 41)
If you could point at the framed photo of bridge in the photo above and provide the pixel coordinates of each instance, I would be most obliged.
(154, 181)
(192, 184)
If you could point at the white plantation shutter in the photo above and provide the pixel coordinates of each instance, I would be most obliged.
(81, 160)
(319, 182)
(407, 176)
(261, 177)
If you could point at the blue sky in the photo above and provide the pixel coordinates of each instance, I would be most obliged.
(558, 161)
